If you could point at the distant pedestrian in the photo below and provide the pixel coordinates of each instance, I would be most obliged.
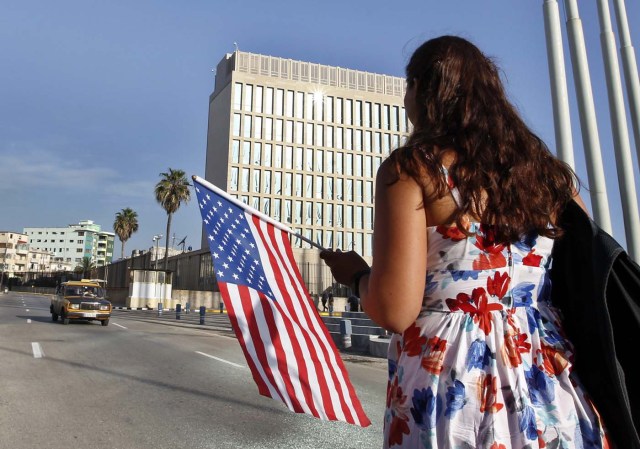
(325, 298)
(353, 301)
(330, 302)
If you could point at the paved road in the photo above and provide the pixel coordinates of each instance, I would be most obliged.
(144, 382)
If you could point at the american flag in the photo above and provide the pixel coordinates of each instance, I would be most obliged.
(287, 347)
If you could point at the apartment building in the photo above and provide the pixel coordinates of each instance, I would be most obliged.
(14, 252)
(70, 244)
(302, 143)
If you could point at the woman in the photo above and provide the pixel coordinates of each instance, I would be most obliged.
(464, 227)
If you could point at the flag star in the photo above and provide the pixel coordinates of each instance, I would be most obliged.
(257, 262)
(219, 203)
(239, 270)
(225, 265)
(226, 215)
(214, 208)
(201, 206)
(220, 248)
(233, 226)
(237, 221)
(242, 235)
(246, 251)
(206, 221)
(216, 255)
(219, 274)
(197, 190)
(252, 245)
(237, 241)
(230, 210)
(210, 237)
(207, 196)
(236, 277)
(230, 259)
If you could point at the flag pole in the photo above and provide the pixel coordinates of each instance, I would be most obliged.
(254, 211)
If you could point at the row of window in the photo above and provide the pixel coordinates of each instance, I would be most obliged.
(319, 107)
(289, 131)
(300, 185)
(60, 241)
(298, 158)
(297, 212)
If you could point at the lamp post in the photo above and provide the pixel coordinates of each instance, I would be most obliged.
(156, 239)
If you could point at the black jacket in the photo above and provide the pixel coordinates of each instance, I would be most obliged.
(596, 285)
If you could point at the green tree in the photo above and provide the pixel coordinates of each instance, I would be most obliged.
(125, 224)
(171, 191)
(85, 267)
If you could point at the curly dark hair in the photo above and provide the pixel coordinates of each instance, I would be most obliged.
(505, 174)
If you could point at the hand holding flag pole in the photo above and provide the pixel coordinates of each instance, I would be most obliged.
(290, 353)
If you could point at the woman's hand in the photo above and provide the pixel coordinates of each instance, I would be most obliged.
(343, 265)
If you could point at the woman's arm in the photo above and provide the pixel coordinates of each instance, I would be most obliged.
(391, 294)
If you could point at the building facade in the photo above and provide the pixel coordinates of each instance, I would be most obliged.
(14, 254)
(72, 243)
(302, 143)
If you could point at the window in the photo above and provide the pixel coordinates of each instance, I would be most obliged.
(288, 157)
(246, 153)
(329, 188)
(329, 141)
(267, 182)
(308, 193)
(287, 183)
(235, 151)
(268, 128)
(279, 101)
(299, 104)
(245, 180)
(289, 108)
(258, 99)
(257, 130)
(256, 181)
(299, 185)
(233, 185)
(299, 158)
(248, 97)
(237, 96)
(339, 110)
(278, 157)
(257, 152)
(298, 213)
(319, 214)
(348, 107)
(236, 125)
(319, 186)
(277, 183)
(269, 101)
(267, 154)
(328, 218)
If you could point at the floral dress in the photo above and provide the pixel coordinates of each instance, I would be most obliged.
(486, 364)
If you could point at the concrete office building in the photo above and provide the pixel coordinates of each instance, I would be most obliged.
(72, 243)
(302, 143)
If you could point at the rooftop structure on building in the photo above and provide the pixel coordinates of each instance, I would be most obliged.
(302, 143)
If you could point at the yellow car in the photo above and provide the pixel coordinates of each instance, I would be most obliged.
(80, 300)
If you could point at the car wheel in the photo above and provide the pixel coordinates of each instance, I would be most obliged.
(105, 322)
(54, 316)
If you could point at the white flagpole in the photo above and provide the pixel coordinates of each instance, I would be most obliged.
(255, 212)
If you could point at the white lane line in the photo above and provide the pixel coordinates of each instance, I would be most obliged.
(116, 324)
(28, 320)
(219, 359)
(37, 350)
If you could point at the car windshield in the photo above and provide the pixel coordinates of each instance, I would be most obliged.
(83, 290)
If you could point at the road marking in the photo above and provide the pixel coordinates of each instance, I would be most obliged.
(27, 310)
(37, 350)
(219, 359)
(28, 320)
(116, 324)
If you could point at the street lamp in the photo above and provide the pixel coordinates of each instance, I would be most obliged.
(156, 239)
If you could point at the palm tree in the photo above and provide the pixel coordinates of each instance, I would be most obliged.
(85, 267)
(171, 191)
(126, 223)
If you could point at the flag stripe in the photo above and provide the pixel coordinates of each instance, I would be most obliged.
(335, 402)
(288, 348)
(253, 353)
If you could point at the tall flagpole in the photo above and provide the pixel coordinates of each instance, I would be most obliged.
(558, 78)
(630, 70)
(621, 146)
(588, 124)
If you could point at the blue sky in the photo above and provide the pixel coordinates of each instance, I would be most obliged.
(98, 98)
